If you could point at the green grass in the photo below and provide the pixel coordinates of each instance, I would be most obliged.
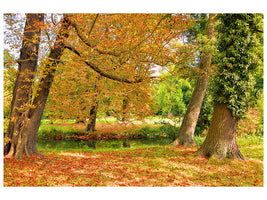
(100, 145)
(57, 131)
(146, 131)
(107, 120)
(58, 121)
(251, 146)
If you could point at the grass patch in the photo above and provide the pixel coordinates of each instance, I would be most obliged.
(117, 131)
(57, 132)
(99, 145)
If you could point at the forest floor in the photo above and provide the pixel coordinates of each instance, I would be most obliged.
(137, 166)
(154, 166)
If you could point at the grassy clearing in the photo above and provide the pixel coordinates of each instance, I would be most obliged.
(155, 166)
(143, 165)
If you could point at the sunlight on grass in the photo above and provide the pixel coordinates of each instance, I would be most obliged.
(155, 166)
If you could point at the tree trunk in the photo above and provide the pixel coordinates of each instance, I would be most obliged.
(187, 129)
(93, 112)
(125, 103)
(92, 118)
(221, 137)
(27, 125)
(25, 77)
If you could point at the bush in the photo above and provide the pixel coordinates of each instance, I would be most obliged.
(169, 131)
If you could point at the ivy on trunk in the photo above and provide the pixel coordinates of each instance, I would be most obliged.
(237, 61)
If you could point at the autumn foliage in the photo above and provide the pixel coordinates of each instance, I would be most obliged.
(86, 66)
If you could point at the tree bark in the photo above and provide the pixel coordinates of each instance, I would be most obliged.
(25, 77)
(92, 118)
(93, 112)
(187, 129)
(221, 138)
(25, 135)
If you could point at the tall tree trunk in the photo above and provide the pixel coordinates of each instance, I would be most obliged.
(187, 129)
(221, 137)
(25, 77)
(24, 138)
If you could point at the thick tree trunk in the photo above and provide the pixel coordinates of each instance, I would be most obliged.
(187, 129)
(221, 137)
(25, 77)
(27, 125)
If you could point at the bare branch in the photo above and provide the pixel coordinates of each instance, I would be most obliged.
(93, 24)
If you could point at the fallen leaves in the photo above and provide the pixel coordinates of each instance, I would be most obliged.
(156, 166)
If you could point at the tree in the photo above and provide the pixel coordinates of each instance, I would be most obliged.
(94, 107)
(237, 62)
(173, 95)
(187, 129)
(25, 77)
(110, 47)
(123, 48)
(27, 109)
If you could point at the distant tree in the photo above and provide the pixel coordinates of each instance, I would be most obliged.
(237, 61)
(173, 95)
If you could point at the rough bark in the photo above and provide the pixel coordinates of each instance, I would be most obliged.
(221, 138)
(26, 73)
(187, 129)
(25, 135)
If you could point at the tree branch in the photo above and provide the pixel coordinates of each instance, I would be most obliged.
(103, 73)
(89, 44)
(93, 24)
(112, 53)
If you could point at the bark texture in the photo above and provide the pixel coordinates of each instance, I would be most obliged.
(187, 129)
(26, 73)
(221, 137)
(27, 125)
